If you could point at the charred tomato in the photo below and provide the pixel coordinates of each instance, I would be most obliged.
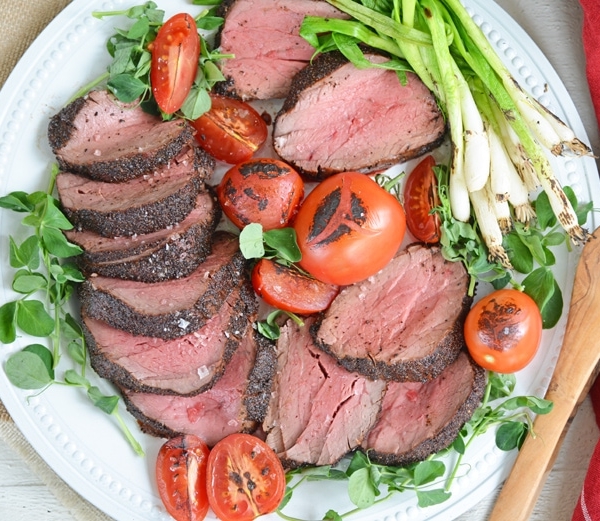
(181, 477)
(503, 330)
(264, 190)
(231, 131)
(291, 290)
(175, 53)
(420, 198)
(348, 228)
(245, 478)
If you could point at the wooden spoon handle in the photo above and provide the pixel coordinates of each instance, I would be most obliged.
(571, 379)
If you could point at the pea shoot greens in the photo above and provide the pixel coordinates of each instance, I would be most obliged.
(45, 279)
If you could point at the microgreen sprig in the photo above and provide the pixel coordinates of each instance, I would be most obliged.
(45, 281)
(431, 480)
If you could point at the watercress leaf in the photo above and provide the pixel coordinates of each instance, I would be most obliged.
(332, 515)
(70, 328)
(212, 73)
(459, 444)
(270, 331)
(196, 103)
(251, 241)
(74, 378)
(284, 243)
(108, 404)
(33, 318)
(287, 496)
(582, 211)
(8, 320)
(552, 310)
(17, 201)
(539, 405)
(27, 255)
(427, 471)
(26, 282)
(71, 272)
(139, 28)
(501, 385)
(53, 217)
(209, 23)
(361, 490)
(540, 285)
(26, 370)
(126, 87)
(427, 498)
(45, 356)
(57, 244)
(509, 435)
(76, 352)
(554, 239)
(544, 213)
(359, 461)
(520, 256)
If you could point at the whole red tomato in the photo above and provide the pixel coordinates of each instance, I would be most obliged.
(175, 54)
(420, 198)
(231, 131)
(261, 190)
(503, 330)
(348, 228)
(181, 477)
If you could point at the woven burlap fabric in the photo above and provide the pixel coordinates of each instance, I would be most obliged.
(20, 23)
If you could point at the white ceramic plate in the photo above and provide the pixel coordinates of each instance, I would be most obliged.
(80, 443)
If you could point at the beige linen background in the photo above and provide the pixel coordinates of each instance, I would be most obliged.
(20, 23)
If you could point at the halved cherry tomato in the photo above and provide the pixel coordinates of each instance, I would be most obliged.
(290, 290)
(503, 330)
(420, 197)
(264, 190)
(175, 54)
(348, 228)
(181, 477)
(245, 478)
(231, 131)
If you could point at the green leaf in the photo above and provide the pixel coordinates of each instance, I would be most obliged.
(510, 435)
(540, 285)
(427, 471)
(139, 29)
(27, 370)
(27, 255)
(270, 331)
(544, 213)
(17, 201)
(283, 243)
(45, 356)
(520, 256)
(552, 310)
(74, 378)
(127, 88)
(108, 404)
(33, 319)
(53, 217)
(332, 515)
(57, 244)
(8, 322)
(251, 241)
(70, 328)
(427, 498)
(196, 103)
(76, 352)
(360, 488)
(26, 283)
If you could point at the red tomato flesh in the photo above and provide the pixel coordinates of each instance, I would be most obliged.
(290, 290)
(264, 190)
(420, 197)
(348, 228)
(231, 131)
(503, 330)
(175, 54)
(245, 478)
(181, 477)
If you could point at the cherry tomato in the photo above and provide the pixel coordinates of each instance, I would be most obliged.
(181, 477)
(231, 131)
(265, 191)
(290, 290)
(420, 197)
(245, 478)
(348, 228)
(175, 54)
(503, 330)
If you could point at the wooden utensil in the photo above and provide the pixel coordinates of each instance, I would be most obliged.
(570, 382)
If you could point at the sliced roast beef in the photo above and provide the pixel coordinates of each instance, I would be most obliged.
(340, 118)
(318, 411)
(228, 407)
(104, 139)
(171, 253)
(263, 36)
(405, 323)
(186, 365)
(142, 205)
(170, 308)
(418, 419)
